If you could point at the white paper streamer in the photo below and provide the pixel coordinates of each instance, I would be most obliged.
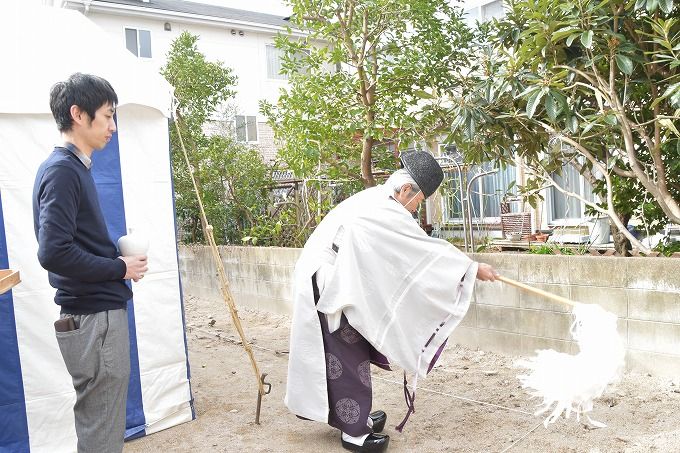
(569, 383)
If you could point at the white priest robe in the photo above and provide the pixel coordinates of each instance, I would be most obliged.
(396, 285)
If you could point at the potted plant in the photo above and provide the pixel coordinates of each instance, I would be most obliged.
(541, 236)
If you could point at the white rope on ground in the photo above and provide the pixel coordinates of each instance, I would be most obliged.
(279, 353)
(522, 438)
(236, 342)
(483, 403)
(477, 402)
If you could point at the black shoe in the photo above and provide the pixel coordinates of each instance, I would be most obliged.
(373, 443)
(379, 418)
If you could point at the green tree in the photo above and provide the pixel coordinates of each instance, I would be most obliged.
(594, 84)
(232, 178)
(364, 75)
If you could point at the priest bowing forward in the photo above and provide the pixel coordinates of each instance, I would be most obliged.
(372, 288)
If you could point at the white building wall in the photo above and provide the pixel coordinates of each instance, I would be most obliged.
(482, 10)
(245, 55)
(278, 7)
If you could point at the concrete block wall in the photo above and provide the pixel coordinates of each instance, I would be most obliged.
(643, 292)
(259, 277)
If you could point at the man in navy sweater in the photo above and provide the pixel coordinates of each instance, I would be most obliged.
(84, 265)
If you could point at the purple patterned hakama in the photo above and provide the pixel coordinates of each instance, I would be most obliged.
(348, 375)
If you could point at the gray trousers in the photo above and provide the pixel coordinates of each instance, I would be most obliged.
(97, 356)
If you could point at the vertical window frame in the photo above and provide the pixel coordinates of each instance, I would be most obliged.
(271, 75)
(138, 43)
(553, 219)
(270, 51)
(247, 130)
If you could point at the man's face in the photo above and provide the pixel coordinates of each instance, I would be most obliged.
(408, 199)
(101, 128)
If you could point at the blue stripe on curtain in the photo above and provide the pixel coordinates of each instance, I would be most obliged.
(107, 176)
(13, 422)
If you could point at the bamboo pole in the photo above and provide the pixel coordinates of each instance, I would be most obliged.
(224, 283)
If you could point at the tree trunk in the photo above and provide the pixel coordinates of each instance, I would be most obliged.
(195, 222)
(366, 164)
(621, 242)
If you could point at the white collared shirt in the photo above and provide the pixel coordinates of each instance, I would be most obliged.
(79, 154)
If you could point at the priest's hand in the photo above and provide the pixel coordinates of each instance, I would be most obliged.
(486, 272)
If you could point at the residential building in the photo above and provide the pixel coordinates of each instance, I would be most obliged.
(482, 10)
(242, 40)
(488, 194)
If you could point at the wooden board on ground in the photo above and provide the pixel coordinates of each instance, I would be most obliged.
(508, 245)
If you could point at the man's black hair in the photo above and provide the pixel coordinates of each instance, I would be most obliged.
(89, 92)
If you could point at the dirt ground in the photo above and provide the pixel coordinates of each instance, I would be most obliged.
(470, 402)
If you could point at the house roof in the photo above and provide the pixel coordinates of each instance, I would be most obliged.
(193, 9)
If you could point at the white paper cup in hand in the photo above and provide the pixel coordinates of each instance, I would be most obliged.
(133, 244)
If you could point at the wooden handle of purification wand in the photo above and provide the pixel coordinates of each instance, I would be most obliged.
(540, 292)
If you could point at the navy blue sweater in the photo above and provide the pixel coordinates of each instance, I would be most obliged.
(73, 241)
